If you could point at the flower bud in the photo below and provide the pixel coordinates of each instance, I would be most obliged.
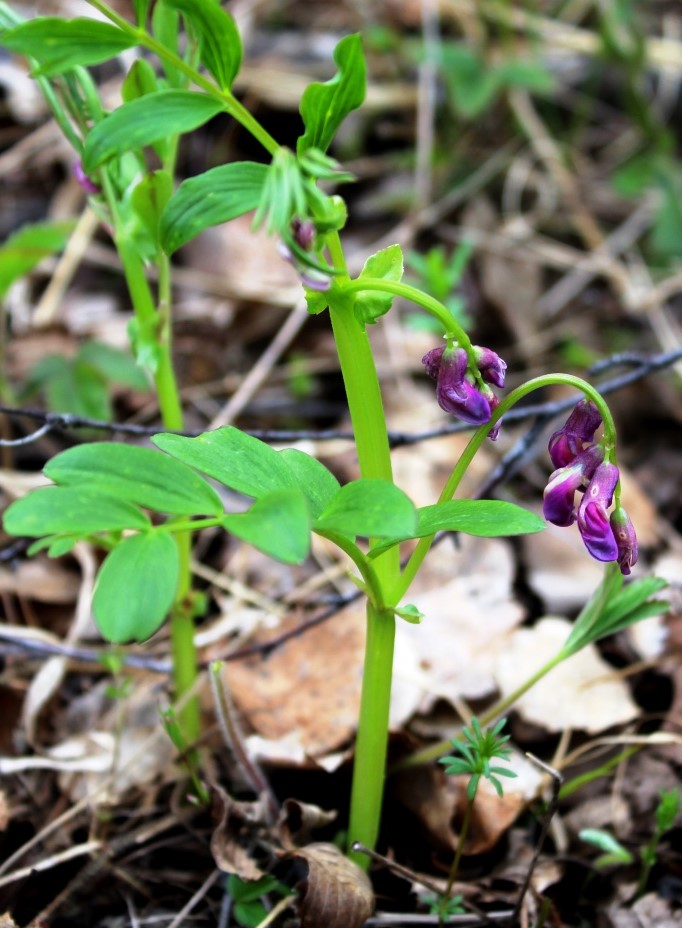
(626, 539)
(568, 442)
(559, 497)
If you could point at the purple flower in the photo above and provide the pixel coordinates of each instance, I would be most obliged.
(85, 182)
(626, 539)
(566, 444)
(593, 519)
(491, 366)
(457, 390)
(558, 503)
(454, 391)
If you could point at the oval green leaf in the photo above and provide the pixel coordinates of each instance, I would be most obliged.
(216, 196)
(149, 119)
(238, 460)
(60, 44)
(136, 587)
(371, 508)
(220, 47)
(138, 475)
(487, 518)
(278, 525)
(71, 511)
(317, 484)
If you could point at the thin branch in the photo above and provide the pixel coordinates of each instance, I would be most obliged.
(642, 367)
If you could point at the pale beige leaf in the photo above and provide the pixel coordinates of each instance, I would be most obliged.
(583, 692)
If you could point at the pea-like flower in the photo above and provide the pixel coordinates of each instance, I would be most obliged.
(626, 539)
(569, 441)
(558, 503)
(457, 390)
(593, 519)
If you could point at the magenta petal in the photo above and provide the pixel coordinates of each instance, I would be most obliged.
(567, 443)
(595, 530)
(493, 369)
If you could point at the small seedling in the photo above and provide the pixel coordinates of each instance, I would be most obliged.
(247, 906)
(477, 749)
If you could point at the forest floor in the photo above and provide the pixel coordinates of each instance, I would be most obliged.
(520, 133)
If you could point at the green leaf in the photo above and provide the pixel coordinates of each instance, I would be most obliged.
(410, 613)
(472, 82)
(238, 460)
(371, 508)
(141, 8)
(522, 72)
(220, 47)
(485, 518)
(136, 587)
(278, 524)
(138, 475)
(615, 852)
(149, 119)
(325, 106)
(71, 511)
(614, 607)
(388, 265)
(318, 485)
(149, 199)
(216, 196)
(59, 44)
(24, 249)
(140, 81)
(114, 365)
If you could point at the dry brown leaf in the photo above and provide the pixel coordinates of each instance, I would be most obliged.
(239, 830)
(308, 691)
(299, 819)
(438, 801)
(583, 692)
(42, 580)
(465, 593)
(560, 571)
(336, 893)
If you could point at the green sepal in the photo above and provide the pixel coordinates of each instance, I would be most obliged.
(410, 613)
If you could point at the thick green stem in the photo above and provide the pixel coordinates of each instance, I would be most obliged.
(374, 458)
(370, 747)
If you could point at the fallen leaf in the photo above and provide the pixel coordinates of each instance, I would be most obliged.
(41, 580)
(308, 690)
(299, 819)
(239, 829)
(583, 692)
(336, 893)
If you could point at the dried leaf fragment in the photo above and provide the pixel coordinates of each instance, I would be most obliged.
(239, 830)
(336, 893)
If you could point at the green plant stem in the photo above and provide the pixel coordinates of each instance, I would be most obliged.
(461, 841)
(451, 328)
(229, 101)
(369, 426)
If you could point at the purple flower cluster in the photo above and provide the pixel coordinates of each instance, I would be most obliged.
(581, 467)
(458, 390)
